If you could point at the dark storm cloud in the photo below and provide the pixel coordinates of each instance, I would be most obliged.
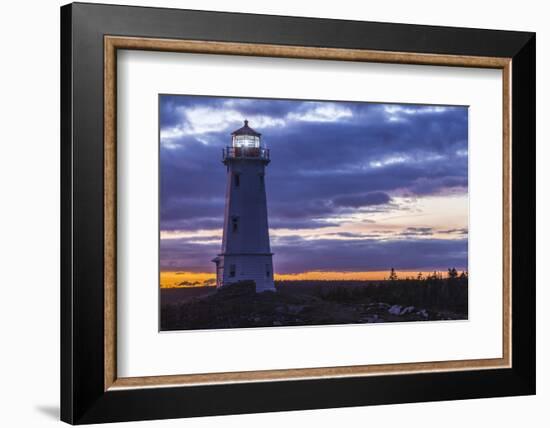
(187, 254)
(289, 223)
(368, 254)
(417, 231)
(355, 235)
(314, 162)
(292, 253)
(360, 200)
(429, 186)
(461, 231)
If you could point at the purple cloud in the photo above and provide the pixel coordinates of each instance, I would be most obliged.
(361, 200)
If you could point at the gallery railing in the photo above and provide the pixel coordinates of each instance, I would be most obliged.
(246, 152)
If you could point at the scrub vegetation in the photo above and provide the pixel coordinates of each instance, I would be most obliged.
(298, 303)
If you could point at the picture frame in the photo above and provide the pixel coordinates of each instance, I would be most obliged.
(91, 391)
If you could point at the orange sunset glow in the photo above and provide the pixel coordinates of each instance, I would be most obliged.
(200, 279)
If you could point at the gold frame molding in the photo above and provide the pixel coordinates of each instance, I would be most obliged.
(113, 43)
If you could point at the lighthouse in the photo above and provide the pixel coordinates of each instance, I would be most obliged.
(246, 252)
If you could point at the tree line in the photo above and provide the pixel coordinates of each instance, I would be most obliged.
(452, 274)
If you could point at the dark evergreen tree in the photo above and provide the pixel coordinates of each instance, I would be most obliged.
(452, 273)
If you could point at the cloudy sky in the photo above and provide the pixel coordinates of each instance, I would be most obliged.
(351, 187)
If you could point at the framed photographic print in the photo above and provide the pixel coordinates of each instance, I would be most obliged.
(265, 213)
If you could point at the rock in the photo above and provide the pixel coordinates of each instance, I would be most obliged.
(407, 310)
(369, 319)
(423, 313)
(395, 310)
(295, 309)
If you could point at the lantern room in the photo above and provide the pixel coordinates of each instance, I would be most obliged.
(246, 137)
(246, 144)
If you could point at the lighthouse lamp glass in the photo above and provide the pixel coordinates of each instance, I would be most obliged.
(246, 141)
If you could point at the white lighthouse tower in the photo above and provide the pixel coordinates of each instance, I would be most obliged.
(246, 253)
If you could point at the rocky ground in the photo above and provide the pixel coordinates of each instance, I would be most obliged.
(239, 306)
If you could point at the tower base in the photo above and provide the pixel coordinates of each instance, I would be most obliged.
(231, 268)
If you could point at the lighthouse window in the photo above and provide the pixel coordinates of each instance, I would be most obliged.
(267, 271)
(235, 224)
(262, 181)
(232, 271)
(237, 180)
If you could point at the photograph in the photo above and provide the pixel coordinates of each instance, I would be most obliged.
(280, 212)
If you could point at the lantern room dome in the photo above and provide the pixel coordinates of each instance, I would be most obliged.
(246, 130)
